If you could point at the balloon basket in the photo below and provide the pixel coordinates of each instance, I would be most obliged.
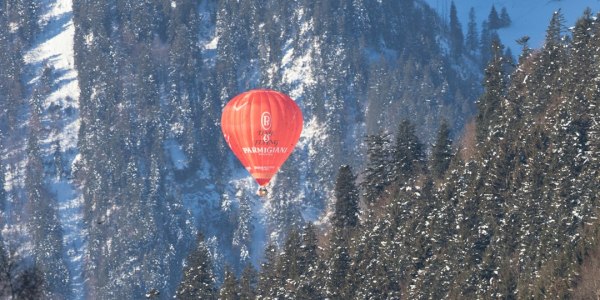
(262, 192)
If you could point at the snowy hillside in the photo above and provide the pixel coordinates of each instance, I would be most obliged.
(53, 50)
(118, 181)
(529, 17)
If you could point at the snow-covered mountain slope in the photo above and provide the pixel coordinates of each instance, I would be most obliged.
(350, 78)
(53, 49)
(529, 18)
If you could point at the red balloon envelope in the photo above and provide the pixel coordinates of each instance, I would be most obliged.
(262, 127)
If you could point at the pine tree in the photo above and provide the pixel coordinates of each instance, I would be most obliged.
(268, 281)
(6, 270)
(376, 173)
(505, 20)
(309, 250)
(29, 284)
(25, 13)
(198, 279)
(58, 161)
(44, 225)
(554, 33)
(472, 39)
(11, 68)
(338, 267)
(485, 42)
(509, 66)
(456, 33)
(408, 154)
(289, 264)
(494, 21)
(346, 199)
(308, 286)
(20, 278)
(3, 194)
(248, 281)
(242, 235)
(495, 89)
(441, 152)
(548, 70)
(377, 262)
(229, 289)
(184, 79)
(525, 50)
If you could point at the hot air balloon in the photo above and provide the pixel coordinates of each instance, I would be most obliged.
(262, 128)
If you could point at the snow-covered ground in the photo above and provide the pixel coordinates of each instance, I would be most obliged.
(529, 17)
(54, 48)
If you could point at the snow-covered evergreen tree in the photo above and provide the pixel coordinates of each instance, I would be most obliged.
(198, 280)
(441, 152)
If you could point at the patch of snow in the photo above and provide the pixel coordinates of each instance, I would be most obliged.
(312, 132)
(209, 38)
(178, 157)
(298, 55)
(74, 233)
(212, 44)
(13, 27)
(54, 48)
(297, 71)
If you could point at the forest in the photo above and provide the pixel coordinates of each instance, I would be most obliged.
(434, 162)
(509, 210)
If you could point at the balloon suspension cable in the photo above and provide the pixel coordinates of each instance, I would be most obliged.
(262, 191)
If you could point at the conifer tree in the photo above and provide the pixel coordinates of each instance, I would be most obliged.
(505, 20)
(6, 269)
(554, 33)
(408, 154)
(547, 71)
(485, 43)
(493, 19)
(25, 14)
(58, 161)
(308, 286)
(3, 194)
(553, 50)
(31, 284)
(338, 267)
(456, 33)
(19, 279)
(289, 264)
(44, 226)
(185, 68)
(11, 67)
(248, 282)
(441, 152)
(198, 279)
(346, 199)
(472, 39)
(495, 88)
(229, 289)
(309, 250)
(363, 260)
(268, 281)
(505, 221)
(376, 173)
(377, 263)
(525, 50)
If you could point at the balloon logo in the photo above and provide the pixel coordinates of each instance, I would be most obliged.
(266, 120)
(262, 128)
